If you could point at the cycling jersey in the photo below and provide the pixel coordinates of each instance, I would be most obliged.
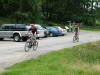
(77, 29)
(33, 30)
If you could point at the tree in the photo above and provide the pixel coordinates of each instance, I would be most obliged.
(61, 11)
(8, 7)
(33, 10)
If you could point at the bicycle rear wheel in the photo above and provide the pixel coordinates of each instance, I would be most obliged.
(27, 46)
(35, 45)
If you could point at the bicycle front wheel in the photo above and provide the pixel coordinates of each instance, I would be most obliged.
(27, 46)
(35, 45)
(77, 39)
(74, 39)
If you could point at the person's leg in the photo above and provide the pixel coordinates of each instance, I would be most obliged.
(71, 29)
(31, 41)
(75, 35)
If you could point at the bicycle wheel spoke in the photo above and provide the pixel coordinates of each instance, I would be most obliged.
(35, 45)
(27, 47)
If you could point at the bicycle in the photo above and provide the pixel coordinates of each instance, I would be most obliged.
(75, 38)
(31, 43)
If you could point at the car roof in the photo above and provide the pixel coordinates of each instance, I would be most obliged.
(12, 24)
(37, 24)
(8, 24)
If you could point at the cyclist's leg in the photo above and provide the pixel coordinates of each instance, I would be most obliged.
(75, 35)
(31, 39)
(35, 36)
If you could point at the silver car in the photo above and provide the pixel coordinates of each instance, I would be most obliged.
(40, 31)
(15, 31)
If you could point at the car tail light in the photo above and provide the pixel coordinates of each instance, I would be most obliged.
(58, 31)
(63, 30)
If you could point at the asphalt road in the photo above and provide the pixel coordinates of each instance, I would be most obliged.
(13, 52)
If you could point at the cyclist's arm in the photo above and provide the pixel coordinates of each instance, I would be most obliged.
(29, 30)
(35, 33)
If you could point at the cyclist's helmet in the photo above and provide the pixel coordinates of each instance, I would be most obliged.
(33, 27)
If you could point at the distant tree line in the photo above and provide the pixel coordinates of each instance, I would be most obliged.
(57, 11)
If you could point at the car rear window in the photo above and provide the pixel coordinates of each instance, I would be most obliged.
(20, 27)
(28, 27)
(39, 27)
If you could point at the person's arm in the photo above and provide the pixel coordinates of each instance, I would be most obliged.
(30, 29)
(79, 29)
(35, 32)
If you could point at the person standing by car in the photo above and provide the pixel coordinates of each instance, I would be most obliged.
(71, 28)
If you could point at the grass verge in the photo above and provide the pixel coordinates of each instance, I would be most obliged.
(98, 22)
(79, 60)
(97, 28)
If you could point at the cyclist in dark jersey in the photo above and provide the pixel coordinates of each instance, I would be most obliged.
(76, 29)
(33, 29)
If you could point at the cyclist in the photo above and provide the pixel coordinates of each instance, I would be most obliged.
(33, 29)
(32, 42)
(76, 29)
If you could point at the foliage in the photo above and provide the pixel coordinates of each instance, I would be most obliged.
(21, 10)
(63, 11)
(57, 11)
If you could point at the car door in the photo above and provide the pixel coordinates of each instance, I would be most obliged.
(1, 33)
(7, 31)
(40, 31)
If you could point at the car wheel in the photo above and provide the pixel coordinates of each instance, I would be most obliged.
(1, 39)
(17, 37)
(45, 35)
(62, 34)
(51, 34)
